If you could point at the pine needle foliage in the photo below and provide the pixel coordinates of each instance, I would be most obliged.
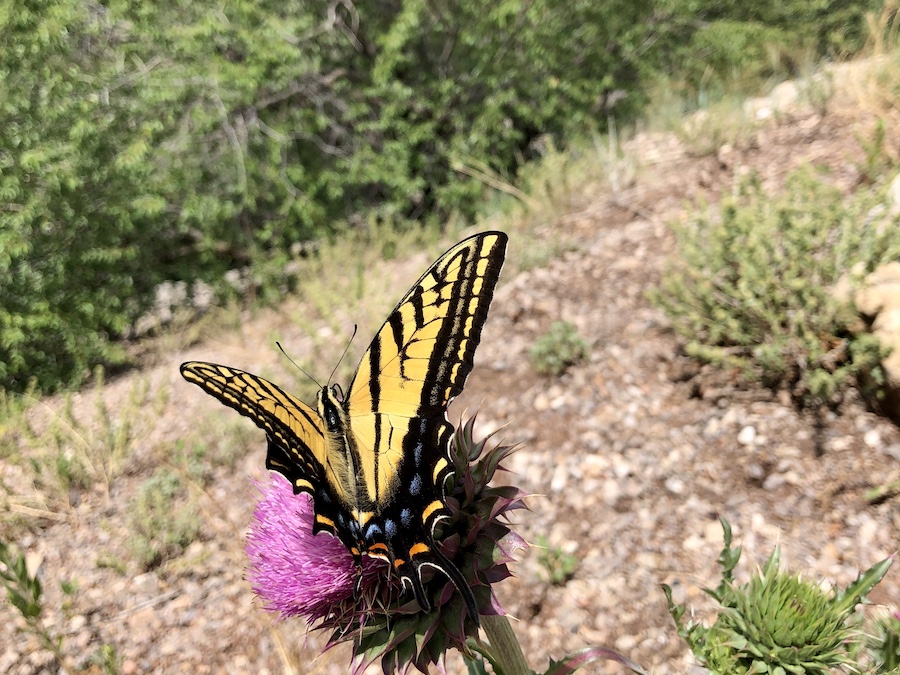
(752, 288)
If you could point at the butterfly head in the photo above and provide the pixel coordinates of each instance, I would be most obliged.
(330, 406)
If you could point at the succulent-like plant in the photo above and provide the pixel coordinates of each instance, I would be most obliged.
(777, 623)
(884, 645)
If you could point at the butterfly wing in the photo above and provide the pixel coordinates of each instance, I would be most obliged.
(297, 438)
(397, 402)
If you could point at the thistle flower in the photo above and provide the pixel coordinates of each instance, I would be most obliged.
(297, 574)
(292, 571)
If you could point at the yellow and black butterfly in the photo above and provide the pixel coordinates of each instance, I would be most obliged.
(376, 460)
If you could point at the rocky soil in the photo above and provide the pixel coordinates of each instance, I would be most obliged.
(632, 455)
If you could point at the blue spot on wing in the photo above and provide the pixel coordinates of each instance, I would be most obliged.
(390, 528)
(415, 485)
(406, 517)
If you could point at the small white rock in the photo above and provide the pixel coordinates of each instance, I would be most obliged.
(675, 485)
(872, 438)
(560, 478)
(867, 533)
(611, 491)
(893, 450)
(747, 435)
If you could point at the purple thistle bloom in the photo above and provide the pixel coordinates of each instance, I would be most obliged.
(292, 571)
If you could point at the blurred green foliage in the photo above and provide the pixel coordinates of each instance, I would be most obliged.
(162, 520)
(557, 349)
(173, 141)
(754, 288)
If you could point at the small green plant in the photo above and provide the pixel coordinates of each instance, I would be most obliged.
(109, 561)
(71, 450)
(818, 89)
(752, 289)
(558, 565)
(777, 623)
(163, 522)
(878, 161)
(12, 418)
(25, 592)
(70, 591)
(884, 644)
(107, 659)
(714, 125)
(559, 348)
(219, 441)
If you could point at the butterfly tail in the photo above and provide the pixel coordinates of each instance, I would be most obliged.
(439, 561)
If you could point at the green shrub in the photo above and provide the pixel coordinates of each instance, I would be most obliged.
(559, 348)
(777, 623)
(79, 249)
(753, 287)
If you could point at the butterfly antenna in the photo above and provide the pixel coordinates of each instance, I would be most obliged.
(349, 342)
(296, 365)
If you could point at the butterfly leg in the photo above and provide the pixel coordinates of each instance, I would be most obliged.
(357, 587)
(434, 558)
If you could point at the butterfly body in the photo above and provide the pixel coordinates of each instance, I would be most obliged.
(376, 460)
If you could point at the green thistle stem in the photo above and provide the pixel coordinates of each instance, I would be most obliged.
(505, 645)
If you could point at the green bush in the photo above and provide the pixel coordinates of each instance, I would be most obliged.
(559, 348)
(753, 286)
(709, 47)
(74, 231)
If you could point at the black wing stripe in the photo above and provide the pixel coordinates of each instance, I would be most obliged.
(441, 386)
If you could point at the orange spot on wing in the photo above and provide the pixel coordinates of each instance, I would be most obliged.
(418, 549)
(431, 508)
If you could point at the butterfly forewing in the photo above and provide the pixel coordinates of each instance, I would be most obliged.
(295, 429)
(418, 362)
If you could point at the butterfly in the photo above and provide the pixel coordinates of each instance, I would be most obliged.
(376, 460)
